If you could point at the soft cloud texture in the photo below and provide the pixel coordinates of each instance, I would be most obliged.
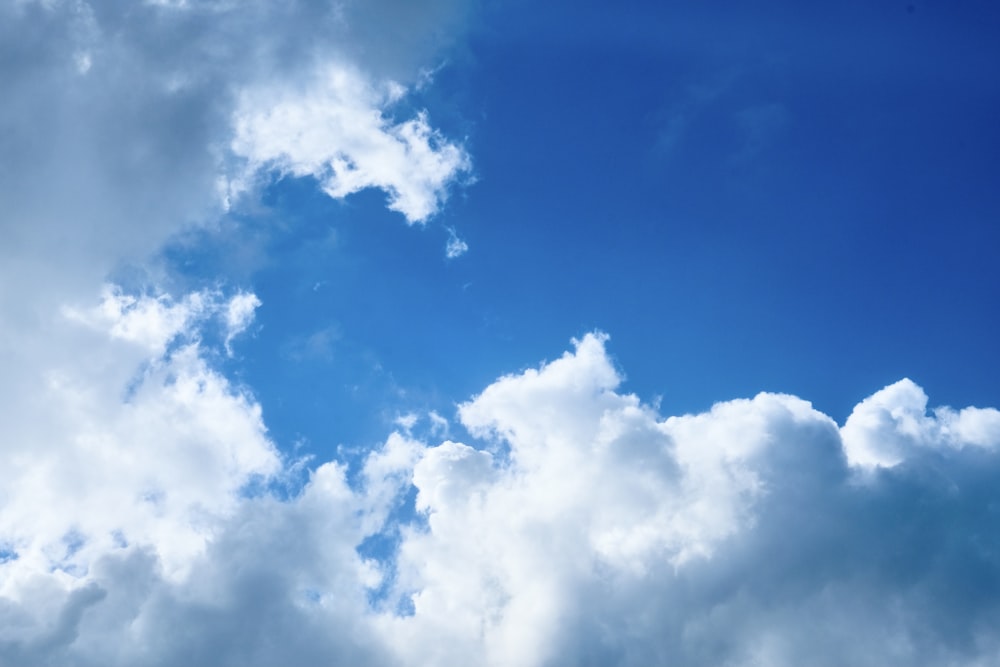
(143, 443)
(581, 527)
(893, 424)
(594, 531)
(335, 132)
(128, 461)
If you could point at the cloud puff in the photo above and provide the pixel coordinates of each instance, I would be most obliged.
(580, 527)
(609, 535)
(890, 425)
(143, 443)
(335, 131)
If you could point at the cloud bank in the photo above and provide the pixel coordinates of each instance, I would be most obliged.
(579, 526)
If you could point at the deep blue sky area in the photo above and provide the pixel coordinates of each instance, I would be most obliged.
(788, 198)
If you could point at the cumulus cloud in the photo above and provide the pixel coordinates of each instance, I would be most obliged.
(890, 425)
(143, 443)
(607, 534)
(579, 526)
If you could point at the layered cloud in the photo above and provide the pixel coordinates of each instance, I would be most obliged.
(578, 526)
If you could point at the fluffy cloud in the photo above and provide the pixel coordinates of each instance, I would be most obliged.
(144, 443)
(335, 132)
(889, 426)
(580, 527)
(593, 531)
(127, 455)
(120, 122)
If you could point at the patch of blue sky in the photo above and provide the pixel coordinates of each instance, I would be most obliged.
(780, 199)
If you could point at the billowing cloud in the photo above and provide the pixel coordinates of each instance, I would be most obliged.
(591, 530)
(891, 425)
(142, 443)
(579, 526)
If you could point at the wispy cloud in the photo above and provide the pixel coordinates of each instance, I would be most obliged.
(455, 247)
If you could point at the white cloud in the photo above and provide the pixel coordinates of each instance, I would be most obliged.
(128, 459)
(136, 521)
(609, 534)
(587, 527)
(150, 322)
(139, 443)
(129, 116)
(336, 131)
(887, 427)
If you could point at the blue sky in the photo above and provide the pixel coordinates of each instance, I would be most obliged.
(502, 333)
(779, 200)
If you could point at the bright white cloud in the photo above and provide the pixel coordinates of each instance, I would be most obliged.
(585, 526)
(888, 426)
(129, 116)
(337, 132)
(608, 534)
(142, 444)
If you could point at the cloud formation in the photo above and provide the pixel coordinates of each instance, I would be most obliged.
(579, 526)
(128, 460)
(336, 132)
(121, 126)
(146, 517)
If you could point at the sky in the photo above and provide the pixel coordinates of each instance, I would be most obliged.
(519, 334)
